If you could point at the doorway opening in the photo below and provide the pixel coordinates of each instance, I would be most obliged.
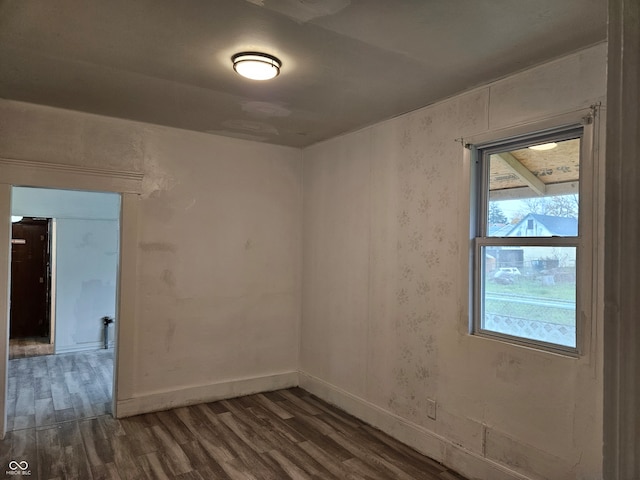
(64, 283)
(30, 332)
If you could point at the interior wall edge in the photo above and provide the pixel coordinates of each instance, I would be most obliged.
(417, 437)
(621, 332)
(185, 396)
(5, 271)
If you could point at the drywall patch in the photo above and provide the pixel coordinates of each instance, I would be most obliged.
(524, 458)
(255, 128)
(508, 368)
(265, 109)
(240, 135)
(303, 10)
(86, 241)
(156, 178)
(168, 278)
(462, 431)
(168, 339)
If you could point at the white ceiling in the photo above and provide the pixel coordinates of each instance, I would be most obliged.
(346, 63)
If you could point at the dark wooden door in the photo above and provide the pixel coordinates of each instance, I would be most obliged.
(30, 279)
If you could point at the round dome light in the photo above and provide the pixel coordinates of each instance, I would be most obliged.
(256, 66)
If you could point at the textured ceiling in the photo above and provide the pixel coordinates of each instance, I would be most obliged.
(346, 63)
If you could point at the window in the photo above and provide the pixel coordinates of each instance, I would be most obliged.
(526, 211)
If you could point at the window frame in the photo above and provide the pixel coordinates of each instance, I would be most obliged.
(479, 207)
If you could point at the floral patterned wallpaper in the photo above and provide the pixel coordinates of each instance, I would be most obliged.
(383, 301)
(427, 169)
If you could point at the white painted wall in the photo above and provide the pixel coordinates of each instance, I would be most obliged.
(86, 281)
(218, 301)
(385, 326)
(86, 249)
(220, 260)
(54, 203)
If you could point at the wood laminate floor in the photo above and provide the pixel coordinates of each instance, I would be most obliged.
(281, 435)
(46, 390)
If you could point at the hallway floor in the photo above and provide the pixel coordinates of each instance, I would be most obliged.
(29, 347)
(46, 390)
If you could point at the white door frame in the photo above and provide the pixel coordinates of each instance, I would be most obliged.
(53, 265)
(46, 175)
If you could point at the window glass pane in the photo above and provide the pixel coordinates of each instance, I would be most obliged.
(530, 292)
(533, 192)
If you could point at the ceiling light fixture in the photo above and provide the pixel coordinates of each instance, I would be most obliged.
(544, 146)
(256, 66)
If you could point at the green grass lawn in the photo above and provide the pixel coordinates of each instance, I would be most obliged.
(534, 288)
(527, 287)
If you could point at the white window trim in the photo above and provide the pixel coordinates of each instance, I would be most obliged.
(587, 288)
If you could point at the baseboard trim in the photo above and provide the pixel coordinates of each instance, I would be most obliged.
(468, 463)
(182, 397)
(81, 347)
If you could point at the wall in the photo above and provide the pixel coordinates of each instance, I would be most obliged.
(218, 256)
(86, 260)
(52, 203)
(86, 281)
(385, 321)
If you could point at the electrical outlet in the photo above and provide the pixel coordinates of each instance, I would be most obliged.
(431, 409)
